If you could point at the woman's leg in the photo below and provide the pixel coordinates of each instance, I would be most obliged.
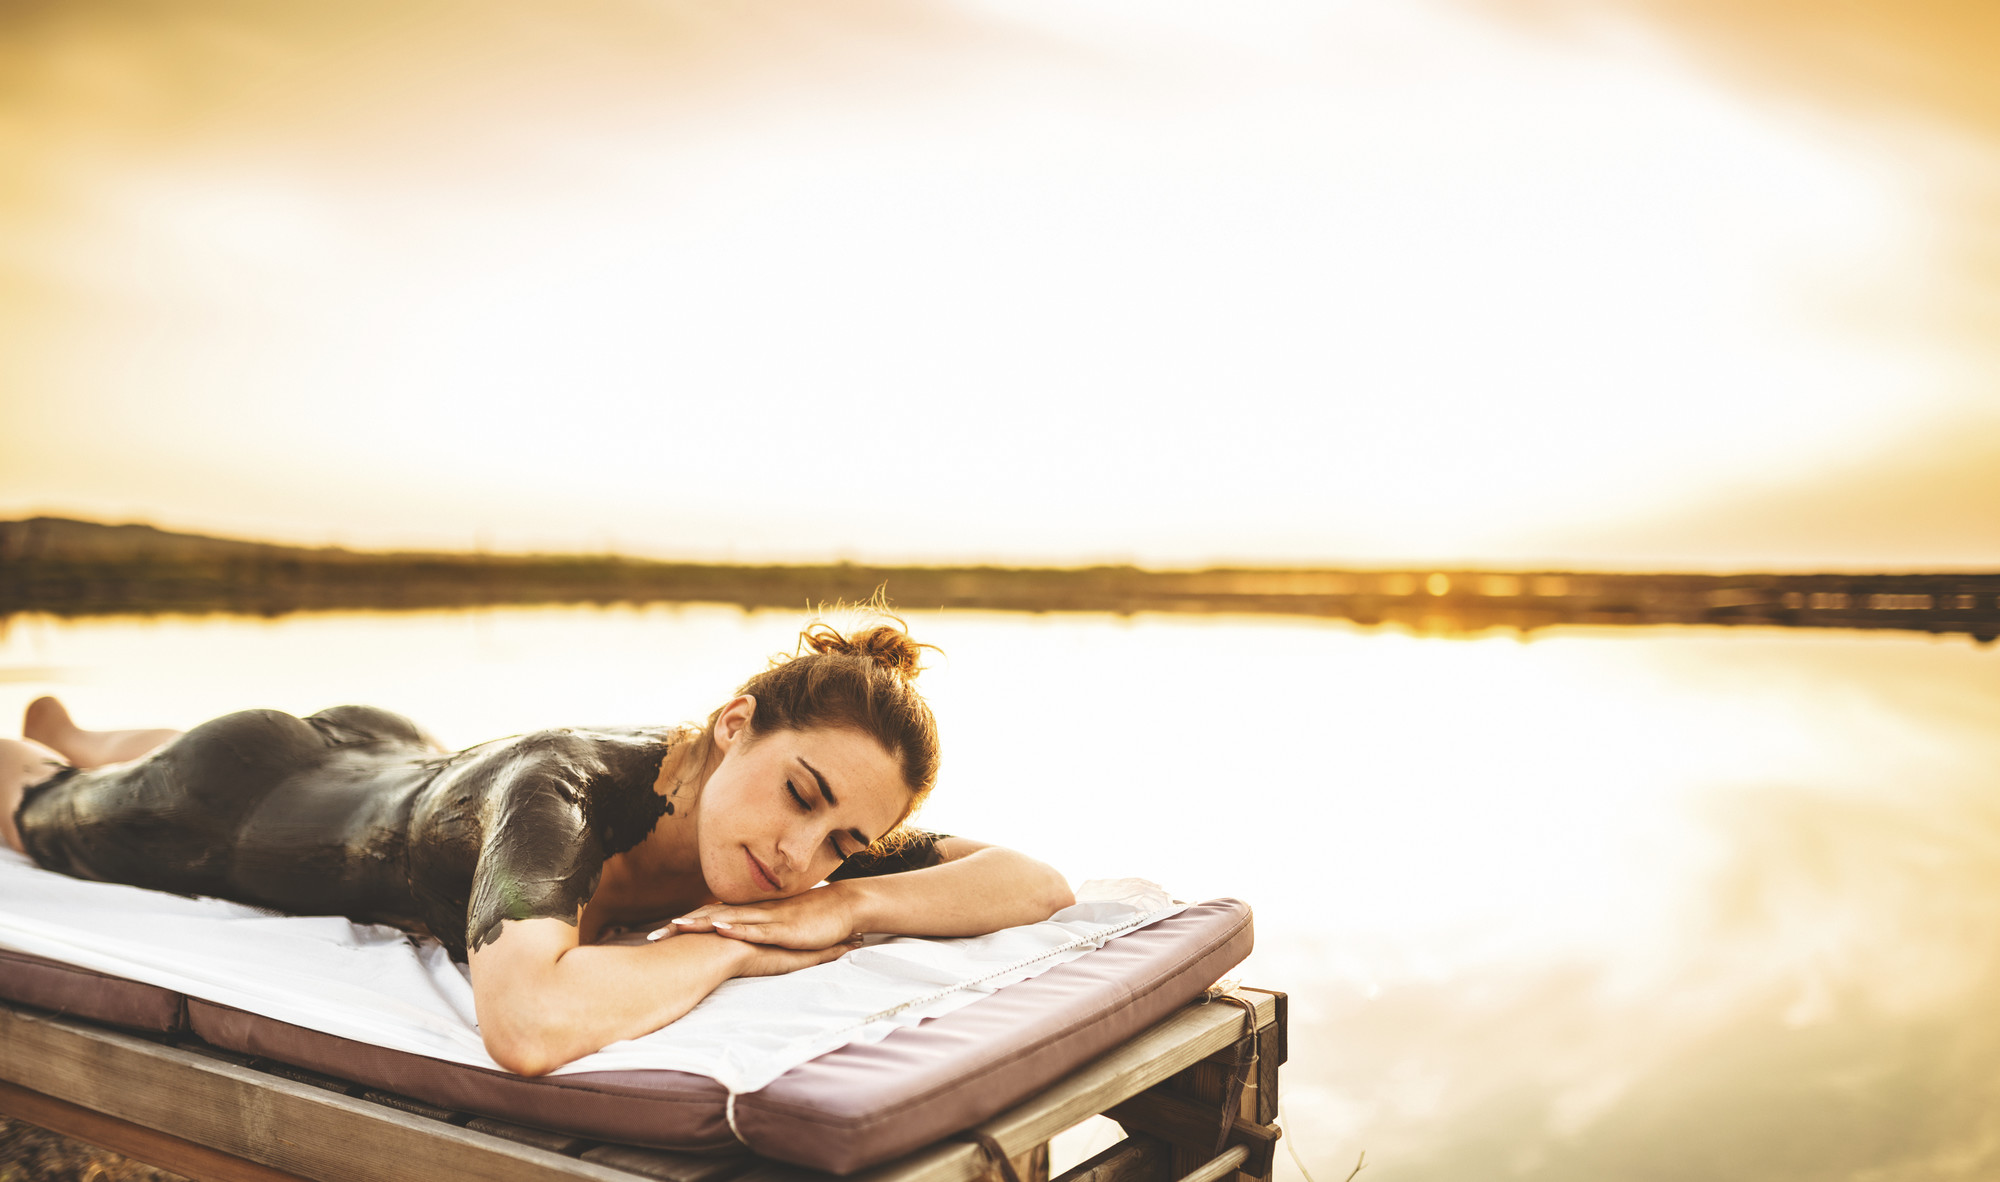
(47, 722)
(21, 763)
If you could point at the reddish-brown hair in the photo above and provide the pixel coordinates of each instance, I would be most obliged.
(864, 681)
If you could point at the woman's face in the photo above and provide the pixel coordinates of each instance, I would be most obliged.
(782, 809)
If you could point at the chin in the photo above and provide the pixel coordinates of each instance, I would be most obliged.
(731, 889)
(737, 892)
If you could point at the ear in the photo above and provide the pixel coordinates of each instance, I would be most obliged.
(733, 724)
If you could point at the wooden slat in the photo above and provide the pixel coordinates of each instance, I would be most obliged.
(414, 1106)
(194, 1046)
(151, 1146)
(567, 1144)
(1184, 1038)
(1194, 1109)
(304, 1076)
(760, 1169)
(1138, 1158)
(1221, 1166)
(1171, 1118)
(1262, 1142)
(266, 1119)
(670, 1167)
(1032, 1166)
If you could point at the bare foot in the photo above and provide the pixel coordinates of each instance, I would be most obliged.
(48, 722)
(21, 763)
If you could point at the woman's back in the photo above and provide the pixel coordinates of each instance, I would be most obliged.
(355, 811)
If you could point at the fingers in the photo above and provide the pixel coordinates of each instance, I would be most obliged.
(735, 922)
(705, 919)
(754, 933)
(800, 922)
(776, 961)
(719, 917)
(783, 934)
(839, 950)
(823, 955)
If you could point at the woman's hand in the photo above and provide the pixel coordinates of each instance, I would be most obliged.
(770, 960)
(976, 889)
(819, 919)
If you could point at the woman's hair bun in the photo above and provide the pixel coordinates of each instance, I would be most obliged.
(888, 645)
(820, 683)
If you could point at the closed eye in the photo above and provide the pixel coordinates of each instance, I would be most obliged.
(859, 839)
(796, 798)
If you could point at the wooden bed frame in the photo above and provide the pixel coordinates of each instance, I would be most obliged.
(1197, 1095)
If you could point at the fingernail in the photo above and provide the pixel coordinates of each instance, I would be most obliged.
(719, 926)
(657, 934)
(685, 919)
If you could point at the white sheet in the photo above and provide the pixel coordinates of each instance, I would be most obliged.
(376, 985)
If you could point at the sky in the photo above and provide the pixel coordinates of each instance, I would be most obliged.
(1500, 282)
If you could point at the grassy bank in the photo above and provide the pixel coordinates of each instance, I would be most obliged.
(84, 568)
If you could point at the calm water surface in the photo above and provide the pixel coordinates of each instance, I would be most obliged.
(1640, 904)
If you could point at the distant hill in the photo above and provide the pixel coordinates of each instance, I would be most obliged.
(71, 567)
(67, 538)
(42, 538)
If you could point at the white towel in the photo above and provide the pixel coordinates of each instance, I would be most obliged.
(377, 985)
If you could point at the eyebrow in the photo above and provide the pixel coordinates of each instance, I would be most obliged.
(824, 789)
(826, 792)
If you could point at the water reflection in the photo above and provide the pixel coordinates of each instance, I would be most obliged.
(1657, 903)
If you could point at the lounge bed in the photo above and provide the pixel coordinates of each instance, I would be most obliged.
(1133, 1030)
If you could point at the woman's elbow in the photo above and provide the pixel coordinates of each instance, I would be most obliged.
(1050, 891)
(522, 1051)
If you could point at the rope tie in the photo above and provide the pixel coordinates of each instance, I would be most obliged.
(729, 1114)
(1225, 991)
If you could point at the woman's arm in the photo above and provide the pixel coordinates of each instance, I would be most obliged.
(977, 888)
(543, 1000)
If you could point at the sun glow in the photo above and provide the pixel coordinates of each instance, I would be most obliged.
(1370, 281)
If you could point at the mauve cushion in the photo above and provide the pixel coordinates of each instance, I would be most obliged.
(66, 989)
(864, 1104)
(663, 1109)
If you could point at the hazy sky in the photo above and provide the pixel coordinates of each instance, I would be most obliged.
(1504, 281)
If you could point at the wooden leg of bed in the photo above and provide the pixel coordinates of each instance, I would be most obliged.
(1260, 1143)
(1032, 1166)
(1226, 1102)
(151, 1146)
(1138, 1158)
(1221, 1166)
(1261, 1105)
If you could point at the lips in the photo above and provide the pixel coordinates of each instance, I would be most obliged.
(759, 874)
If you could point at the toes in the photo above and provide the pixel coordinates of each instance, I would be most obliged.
(44, 719)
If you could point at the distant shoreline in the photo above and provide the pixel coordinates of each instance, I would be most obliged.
(81, 568)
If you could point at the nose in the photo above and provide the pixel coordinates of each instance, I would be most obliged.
(795, 848)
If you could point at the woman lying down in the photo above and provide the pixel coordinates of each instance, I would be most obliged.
(532, 858)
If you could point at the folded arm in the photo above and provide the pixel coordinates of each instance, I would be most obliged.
(975, 888)
(543, 1000)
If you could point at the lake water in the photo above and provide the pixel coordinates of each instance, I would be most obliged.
(1598, 905)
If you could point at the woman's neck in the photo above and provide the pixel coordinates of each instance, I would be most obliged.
(666, 865)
